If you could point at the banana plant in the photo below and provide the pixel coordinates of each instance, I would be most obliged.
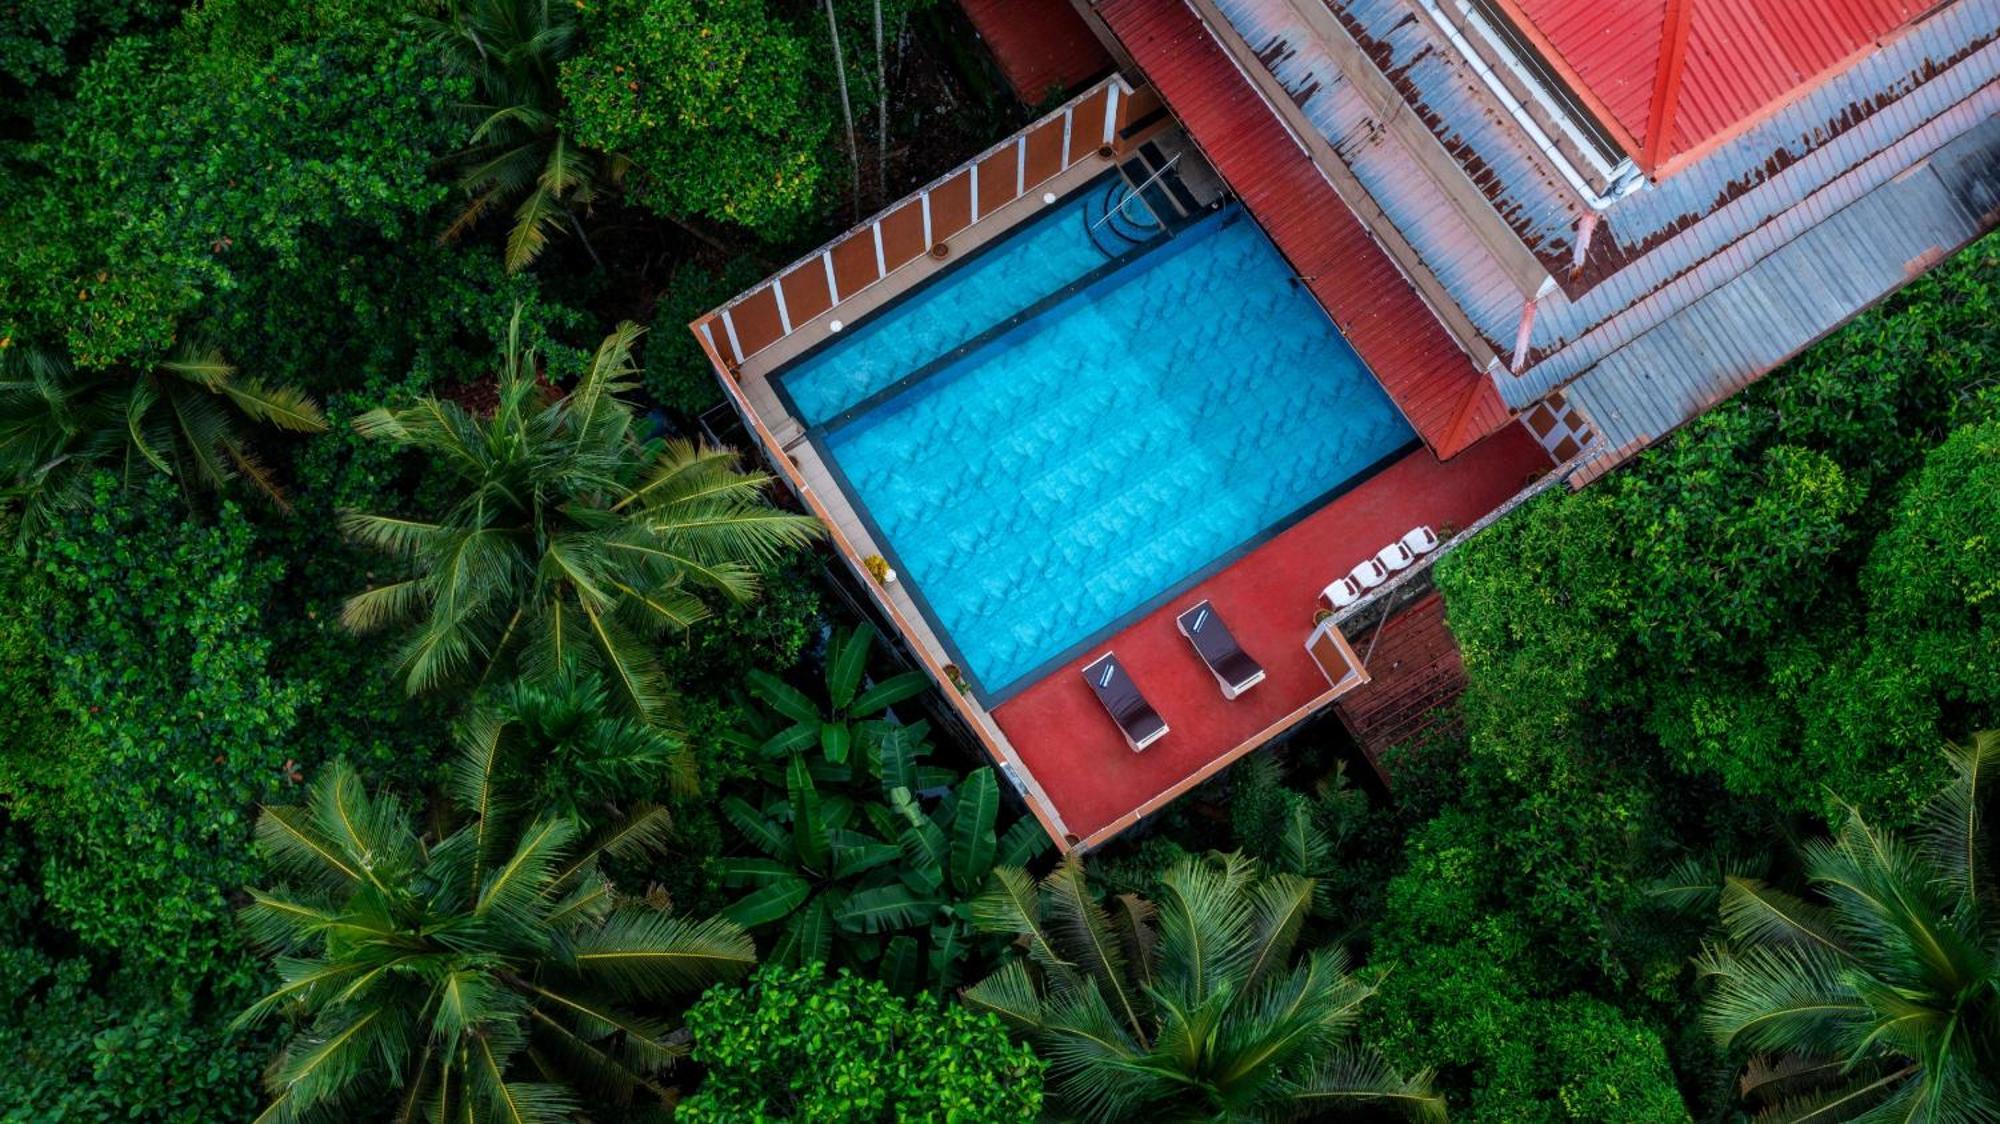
(879, 884)
(850, 726)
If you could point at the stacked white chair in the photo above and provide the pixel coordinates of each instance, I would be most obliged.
(1341, 593)
(1395, 557)
(1369, 573)
(1420, 540)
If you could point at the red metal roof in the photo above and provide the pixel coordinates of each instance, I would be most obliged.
(1074, 751)
(1042, 46)
(1673, 77)
(1449, 402)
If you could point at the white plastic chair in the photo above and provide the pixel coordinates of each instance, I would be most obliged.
(1341, 593)
(1369, 573)
(1395, 557)
(1421, 540)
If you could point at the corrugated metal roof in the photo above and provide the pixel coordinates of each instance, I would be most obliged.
(1671, 77)
(1852, 257)
(1444, 93)
(1448, 401)
(1042, 46)
(1656, 250)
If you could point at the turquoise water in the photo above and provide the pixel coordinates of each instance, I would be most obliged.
(1076, 467)
(1030, 265)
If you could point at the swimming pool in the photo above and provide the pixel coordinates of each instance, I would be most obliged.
(1039, 475)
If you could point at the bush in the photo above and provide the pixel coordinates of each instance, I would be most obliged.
(799, 1045)
(154, 627)
(713, 102)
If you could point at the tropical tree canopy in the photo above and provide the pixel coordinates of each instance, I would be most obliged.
(512, 50)
(1878, 996)
(184, 416)
(570, 542)
(794, 1044)
(1191, 1007)
(487, 973)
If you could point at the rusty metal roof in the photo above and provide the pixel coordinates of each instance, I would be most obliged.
(1849, 259)
(1656, 250)
(1450, 402)
(1669, 78)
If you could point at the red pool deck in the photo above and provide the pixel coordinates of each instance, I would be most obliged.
(1268, 597)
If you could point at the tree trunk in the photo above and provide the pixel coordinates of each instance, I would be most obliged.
(846, 107)
(882, 118)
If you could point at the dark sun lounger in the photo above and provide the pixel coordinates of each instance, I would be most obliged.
(1233, 667)
(1141, 724)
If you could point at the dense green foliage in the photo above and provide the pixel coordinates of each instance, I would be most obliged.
(712, 101)
(173, 175)
(482, 974)
(1198, 1004)
(792, 1045)
(860, 853)
(570, 544)
(408, 226)
(1881, 992)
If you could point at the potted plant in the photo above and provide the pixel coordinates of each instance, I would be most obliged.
(879, 569)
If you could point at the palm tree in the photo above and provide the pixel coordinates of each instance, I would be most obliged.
(485, 974)
(1878, 997)
(562, 744)
(570, 544)
(184, 416)
(513, 50)
(1192, 1007)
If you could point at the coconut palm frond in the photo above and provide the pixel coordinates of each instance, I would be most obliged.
(655, 955)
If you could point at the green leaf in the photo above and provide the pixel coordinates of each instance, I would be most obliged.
(834, 738)
(888, 693)
(773, 902)
(734, 872)
(791, 739)
(846, 663)
(884, 908)
(972, 842)
(762, 833)
(857, 854)
(902, 966)
(784, 698)
(808, 937)
(809, 832)
(1024, 842)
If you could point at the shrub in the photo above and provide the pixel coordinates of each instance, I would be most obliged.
(795, 1044)
(713, 102)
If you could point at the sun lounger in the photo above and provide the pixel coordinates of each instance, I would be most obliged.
(1136, 718)
(1341, 593)
(1395, 557)
(1369, 573)
(1421, 540)
(1232, 667)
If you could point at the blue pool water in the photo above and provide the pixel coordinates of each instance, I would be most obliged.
(1054, 477)
(1030, 265)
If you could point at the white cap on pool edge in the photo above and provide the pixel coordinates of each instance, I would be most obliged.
(1048, 196)
(834, 326)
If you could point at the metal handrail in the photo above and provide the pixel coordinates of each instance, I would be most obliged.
(1136, 192)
